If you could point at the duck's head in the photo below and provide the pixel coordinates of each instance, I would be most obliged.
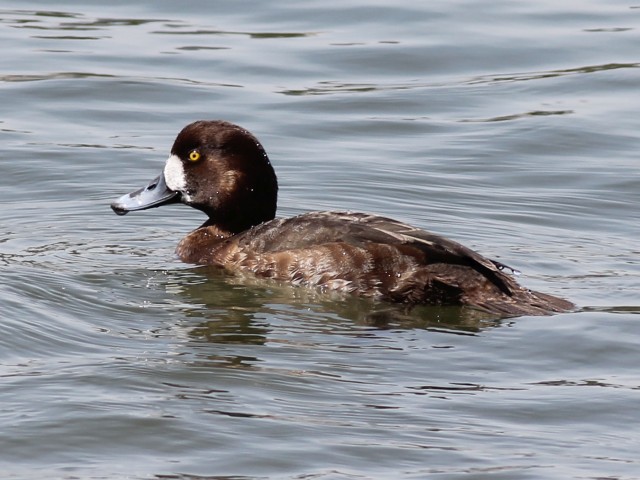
(217, 167)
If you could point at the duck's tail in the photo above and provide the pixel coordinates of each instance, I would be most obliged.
(525, 302)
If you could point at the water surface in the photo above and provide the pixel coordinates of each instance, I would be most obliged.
(511, 127)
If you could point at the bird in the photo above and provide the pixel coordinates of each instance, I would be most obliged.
(223, 170)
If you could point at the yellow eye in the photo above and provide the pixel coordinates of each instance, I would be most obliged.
(194, 155)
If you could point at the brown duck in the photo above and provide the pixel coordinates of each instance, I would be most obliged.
(223, 170)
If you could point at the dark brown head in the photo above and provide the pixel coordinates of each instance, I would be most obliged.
(216, 167)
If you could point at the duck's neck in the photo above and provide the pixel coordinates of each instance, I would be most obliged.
(237, 222)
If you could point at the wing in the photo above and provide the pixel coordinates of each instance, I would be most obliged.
(359, 229)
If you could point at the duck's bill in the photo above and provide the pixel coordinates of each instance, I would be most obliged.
(153, 195)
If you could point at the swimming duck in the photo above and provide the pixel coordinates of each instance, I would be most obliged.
(223, 170)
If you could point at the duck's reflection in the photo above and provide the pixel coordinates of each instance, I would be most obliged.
(244, 310)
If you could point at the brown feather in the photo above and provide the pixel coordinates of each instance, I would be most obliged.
(369, 256)
(232, 181)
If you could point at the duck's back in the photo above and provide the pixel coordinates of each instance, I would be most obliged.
(370, 256)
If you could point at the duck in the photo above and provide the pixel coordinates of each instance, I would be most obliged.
(222, 169)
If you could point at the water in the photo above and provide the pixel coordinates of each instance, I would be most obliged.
(509, 126)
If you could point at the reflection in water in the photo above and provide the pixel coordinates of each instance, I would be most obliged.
(185, 476)
(526, 76)
(37, 20)
(334, 87)
(458, 388)
(256, 35)
(239, 310)
(516, 116)
(615, 309)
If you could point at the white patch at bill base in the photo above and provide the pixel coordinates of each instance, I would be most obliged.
(174, 175)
